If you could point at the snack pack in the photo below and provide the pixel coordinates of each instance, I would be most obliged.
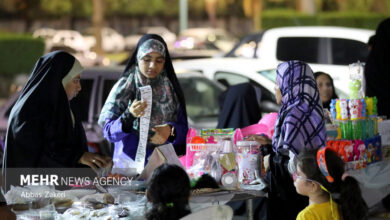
(249, 162)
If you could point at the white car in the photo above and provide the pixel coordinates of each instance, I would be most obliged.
(46, 34)
(232, 71)
(326, 49)
(87, 58)
(112, 41)
(72, 39)
(217, 36)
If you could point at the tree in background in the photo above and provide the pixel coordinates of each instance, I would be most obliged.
(167, 10)
(329, 5)
(28, 10)
(373, 6)
(211, 6)
(382, 6)
(306, 6)
(253, 9)
(97, 24)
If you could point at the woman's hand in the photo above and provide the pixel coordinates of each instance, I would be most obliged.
(162, 134)
(262, 140)
(95, 160)
(137, 108)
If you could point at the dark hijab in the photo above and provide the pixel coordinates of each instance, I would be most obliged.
(377, 73)
(41, 131)
(334, 95)
(240, 107)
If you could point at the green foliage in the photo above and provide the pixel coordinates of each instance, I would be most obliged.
(56, 7)
(82, 8)
(196, 8)
(20, 52)
(222, 8)
(280, 18)
(135, 7)
(7, 6)
(28, 8)
(32, 9)
(351, 19)
(149, 8)
(379, 6)
(171, 8)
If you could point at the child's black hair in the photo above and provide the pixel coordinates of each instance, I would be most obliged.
(168, 191)
(205, 181)
(350, 200)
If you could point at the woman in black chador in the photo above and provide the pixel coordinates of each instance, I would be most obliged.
(239, 107)
(42, 130)
(377, 72)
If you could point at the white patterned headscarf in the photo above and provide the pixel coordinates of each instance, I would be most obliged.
(150, 46)
(164, 102)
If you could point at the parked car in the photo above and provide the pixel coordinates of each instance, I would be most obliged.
(232, 71)
(112, 41)
(201, 96)
(70, 38)
(168, 36)
(327, 49)
(46, 34)
(216, 36)
(193, 48)
(86, 58)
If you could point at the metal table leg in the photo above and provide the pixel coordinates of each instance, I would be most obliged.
(249, 206)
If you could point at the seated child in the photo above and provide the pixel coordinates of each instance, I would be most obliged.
(169, 191)
(320, 176)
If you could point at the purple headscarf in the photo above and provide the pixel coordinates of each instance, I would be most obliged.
(300, 123)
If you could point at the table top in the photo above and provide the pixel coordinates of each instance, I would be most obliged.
(137, 203)
(227, 195)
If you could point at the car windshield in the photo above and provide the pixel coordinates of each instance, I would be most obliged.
(269, 74)
(201, 97)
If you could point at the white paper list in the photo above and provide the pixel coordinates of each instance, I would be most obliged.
(146, 95)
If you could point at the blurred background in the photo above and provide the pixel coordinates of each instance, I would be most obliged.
(104, 32)
(214, 43)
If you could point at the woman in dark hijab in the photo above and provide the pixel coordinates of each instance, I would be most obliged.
(42, 130)
(240, 107)
(326, 88)
(377, 73)
(150, 64)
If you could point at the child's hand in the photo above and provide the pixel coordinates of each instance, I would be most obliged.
(137, 108)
